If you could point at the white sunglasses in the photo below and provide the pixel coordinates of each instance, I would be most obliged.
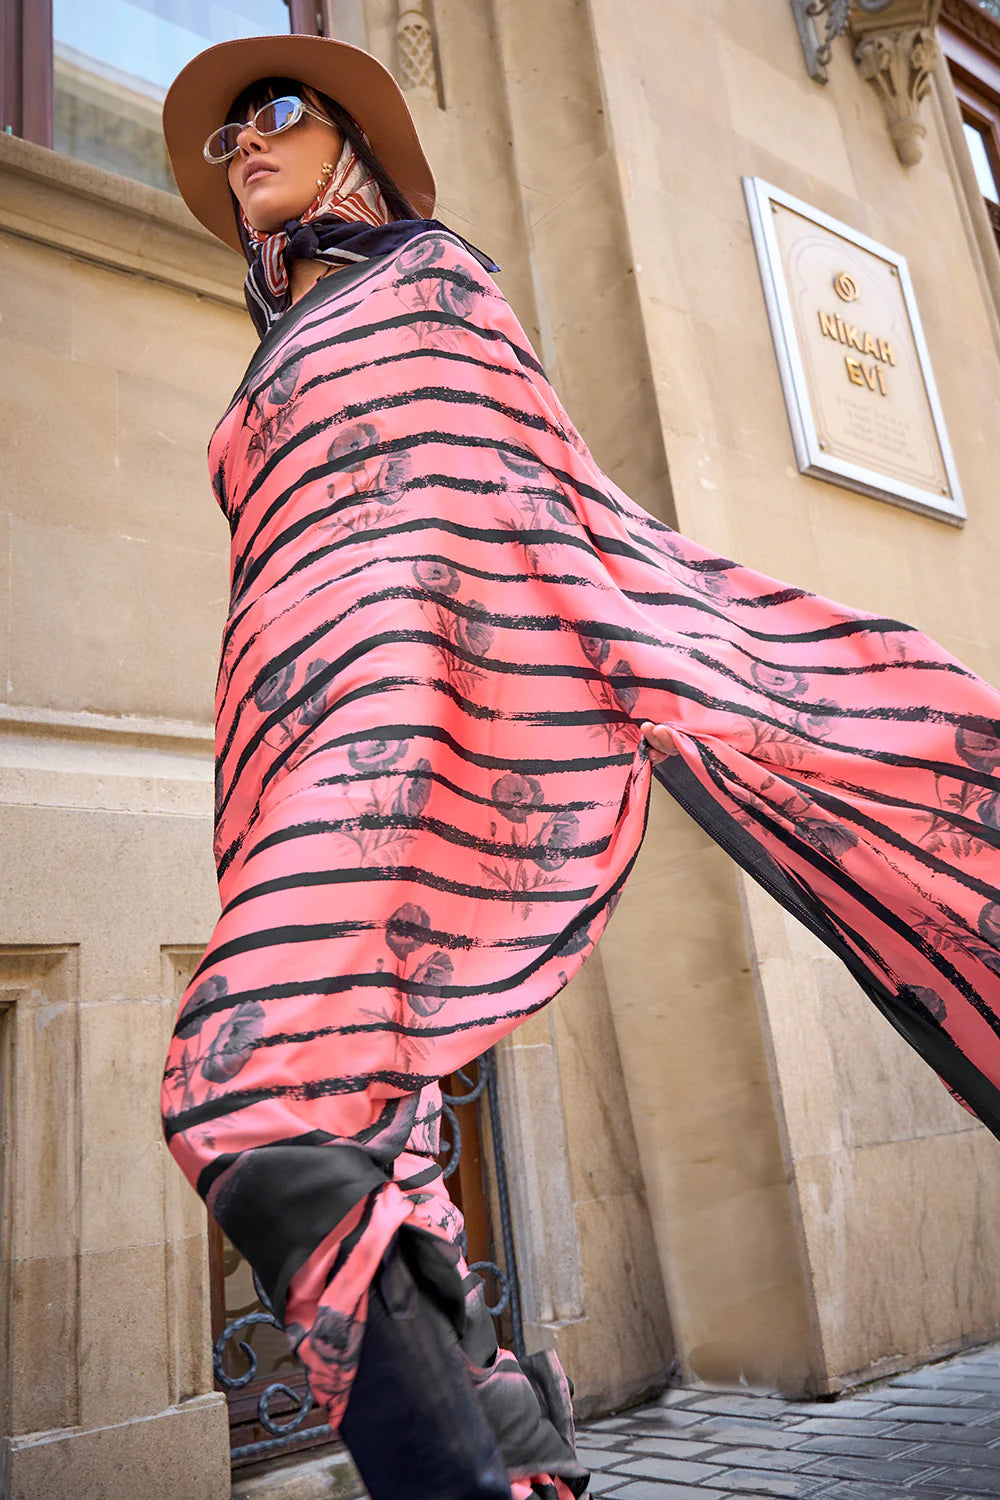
(270, 119)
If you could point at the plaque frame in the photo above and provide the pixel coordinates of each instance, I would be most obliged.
(811, 458)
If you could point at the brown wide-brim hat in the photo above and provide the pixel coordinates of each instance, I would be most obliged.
(200, 96)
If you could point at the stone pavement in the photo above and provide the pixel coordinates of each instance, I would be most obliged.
(933, 1434)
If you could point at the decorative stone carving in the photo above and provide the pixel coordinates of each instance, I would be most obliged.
(894, 50)
(900, 65)
(415, 47)
(981, 21)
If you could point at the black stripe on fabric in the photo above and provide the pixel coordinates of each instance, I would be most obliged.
(856, 892)
(924, 1034)
(419, 1179)
(338, 984)
(404, 874)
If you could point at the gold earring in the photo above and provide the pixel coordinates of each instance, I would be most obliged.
(327, 168)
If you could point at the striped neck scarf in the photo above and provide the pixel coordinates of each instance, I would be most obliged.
(351, 201)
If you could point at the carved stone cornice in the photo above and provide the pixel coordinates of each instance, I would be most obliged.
(979, 24)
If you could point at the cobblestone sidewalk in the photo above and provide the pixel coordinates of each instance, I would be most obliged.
(930, 1435)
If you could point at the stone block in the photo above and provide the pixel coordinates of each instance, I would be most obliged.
(180, 1453)
(108, 594)
(122, 1167)
(122, 1314)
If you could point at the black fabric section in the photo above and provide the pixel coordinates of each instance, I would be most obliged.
(925, 1035)
(277, 1203)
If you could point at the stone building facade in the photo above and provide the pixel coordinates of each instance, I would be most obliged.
(725, 1167)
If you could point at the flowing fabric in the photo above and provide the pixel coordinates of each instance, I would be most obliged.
(446, 627)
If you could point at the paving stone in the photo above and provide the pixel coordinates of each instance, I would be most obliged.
(976, 1481)
(854, 1491)
(857, 1445)
(762, 1458)
(664, 1447)
(959, 1416)
(927, 1395)
(957, 1453)
(654, 1416)
(742, 1406)
(876, 1470)
(594, 1439)
(599, 1458)
(609, 1424)
(763, 1482)
(676, 1470)
(838, 1427)
(938, 1432)
(723, 1430)
(641, 1490)
(603, 1484)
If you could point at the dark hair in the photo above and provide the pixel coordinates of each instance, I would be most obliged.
(265, 89)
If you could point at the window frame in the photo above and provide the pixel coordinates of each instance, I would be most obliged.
(970, 41)
(27, 90)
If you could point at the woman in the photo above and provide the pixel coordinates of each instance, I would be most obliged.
(453, 650)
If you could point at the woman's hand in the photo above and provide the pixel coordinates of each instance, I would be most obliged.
(659, 741)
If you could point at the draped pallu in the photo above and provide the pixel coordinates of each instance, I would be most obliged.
(446, 627)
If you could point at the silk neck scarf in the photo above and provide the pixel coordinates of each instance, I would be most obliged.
(347, 222)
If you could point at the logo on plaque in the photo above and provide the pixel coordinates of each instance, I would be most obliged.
(862, 402)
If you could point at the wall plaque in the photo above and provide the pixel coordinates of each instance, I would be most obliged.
(859, 389)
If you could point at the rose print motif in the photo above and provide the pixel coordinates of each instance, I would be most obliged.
(271, 414)
(540, 507)
(980, 747)
(335, 1339)
(376, 755)
(414, 791)
(275, 691)
(559, 834)
(613, 695)
(230, 1052)
(539, 840)
(457, 636)
(351, 441)
(927, 999)
(575, 942)
(421, 253)
(988, 811)
(433, 973)
(195, 1011)
(438, 577)
(369, 485)
(474, 635)
(777, 680)
(313, 709)
(282, 387)
(516, 796)
(833, 838)
(388, 802)
(595, 648)
(405, 931)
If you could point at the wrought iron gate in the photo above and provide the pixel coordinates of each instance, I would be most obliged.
(271, 1407)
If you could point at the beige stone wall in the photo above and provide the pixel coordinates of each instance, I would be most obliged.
(120, 340)
(893, 1189)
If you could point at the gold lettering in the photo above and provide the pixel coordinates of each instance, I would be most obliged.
(885, 351)
(840, 329)
(854, 338)
(869, 378)
(854, 374)
(827, 326)
(880, 373)
(870, 345)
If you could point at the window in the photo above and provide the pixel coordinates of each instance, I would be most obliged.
(969, 32)
(88, 76)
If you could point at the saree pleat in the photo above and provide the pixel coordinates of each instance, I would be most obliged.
(446, 628)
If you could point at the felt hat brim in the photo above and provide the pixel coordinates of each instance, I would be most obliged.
(200, 96)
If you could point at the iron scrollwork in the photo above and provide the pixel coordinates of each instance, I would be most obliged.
(837, 12)
(285, 1432)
